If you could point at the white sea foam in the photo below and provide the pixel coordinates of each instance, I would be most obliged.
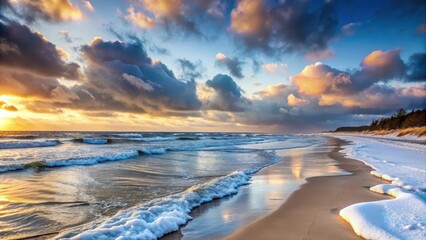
(404, 165)
(158, 217)
(122, 155)
(91, 160)
(403, 217)
(28, 144)
(129, 135)
(153, 151)
(133, 151)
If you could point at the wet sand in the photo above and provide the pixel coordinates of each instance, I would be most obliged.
(312, 212)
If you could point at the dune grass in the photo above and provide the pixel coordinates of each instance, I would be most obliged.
(416, 131)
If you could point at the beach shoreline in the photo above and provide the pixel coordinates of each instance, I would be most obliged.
(312, 212)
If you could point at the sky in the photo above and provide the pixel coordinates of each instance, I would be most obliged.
(279, 66)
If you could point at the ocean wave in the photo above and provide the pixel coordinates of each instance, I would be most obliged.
(83, 160)
(12, 167)
(28, 144)
(19, 136)
(91, 160)
(158, 139)
(95, 140)
(158, 217)
(153, 151)
(129, 135)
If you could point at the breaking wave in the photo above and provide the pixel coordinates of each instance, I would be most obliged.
(158, 217)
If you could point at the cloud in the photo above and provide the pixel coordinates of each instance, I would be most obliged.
(374, 98)
(177, 16)
(275, 68)
(139, 83)
(417, 67)
(276, 93)
(360, 90)
(88, 6)
(349, 29)
(234, 65)
(189, 69)
(319, 78)
(7, 107)
(380, 65)
(48, 10)
(139, 19)
(118, 77)
(35, 87)
(250, 20)
(227, 95)
(23, 49)
(323, 97)
(66, 36)
(283, 26)
(294, 101)
(313, 56)
(116, 67)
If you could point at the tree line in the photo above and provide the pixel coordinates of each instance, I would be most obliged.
(399, 120)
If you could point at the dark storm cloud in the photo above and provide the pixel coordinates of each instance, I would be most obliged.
(234, 65)
(125, 70)
(284, 26)
(417, 67)
(23, 49)
(228, 95)
(101, 52)
(190, 70)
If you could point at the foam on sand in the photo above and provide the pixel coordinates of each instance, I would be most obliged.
(404, 165)
(28, 144)
(401, 218)
(158, 217)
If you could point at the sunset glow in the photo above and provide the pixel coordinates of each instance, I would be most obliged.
(269, 66)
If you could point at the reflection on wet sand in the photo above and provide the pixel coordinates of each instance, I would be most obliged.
(267, 191)
(296, 160)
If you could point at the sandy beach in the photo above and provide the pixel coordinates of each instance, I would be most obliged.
(312, 212)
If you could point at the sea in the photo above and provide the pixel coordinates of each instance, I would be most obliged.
(125, 185)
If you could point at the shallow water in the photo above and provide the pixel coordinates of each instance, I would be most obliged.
(43, 198)
(267, 191)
